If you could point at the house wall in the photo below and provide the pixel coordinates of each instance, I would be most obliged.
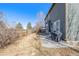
(57, 13)
(72, 22)
(68, 14)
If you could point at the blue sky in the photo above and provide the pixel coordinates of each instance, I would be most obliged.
(23, 13)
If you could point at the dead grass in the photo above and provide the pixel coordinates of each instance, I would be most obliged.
(59, 52)
(27, 45)
(30, 45)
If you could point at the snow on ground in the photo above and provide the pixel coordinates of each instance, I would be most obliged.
(47, 42)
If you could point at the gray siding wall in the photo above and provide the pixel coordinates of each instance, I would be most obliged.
(57, 13)
(72, 22)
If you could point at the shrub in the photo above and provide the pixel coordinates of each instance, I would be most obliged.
(7, 34)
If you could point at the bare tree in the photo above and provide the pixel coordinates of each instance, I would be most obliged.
(40, 22)
(7, 34)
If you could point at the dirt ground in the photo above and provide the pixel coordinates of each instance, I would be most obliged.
(31, 46)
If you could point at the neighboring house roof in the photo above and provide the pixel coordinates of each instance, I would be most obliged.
(50, 10)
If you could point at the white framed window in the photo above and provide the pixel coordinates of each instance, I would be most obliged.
(56, 26)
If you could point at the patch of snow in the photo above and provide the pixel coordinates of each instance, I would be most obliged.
(48, 43)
